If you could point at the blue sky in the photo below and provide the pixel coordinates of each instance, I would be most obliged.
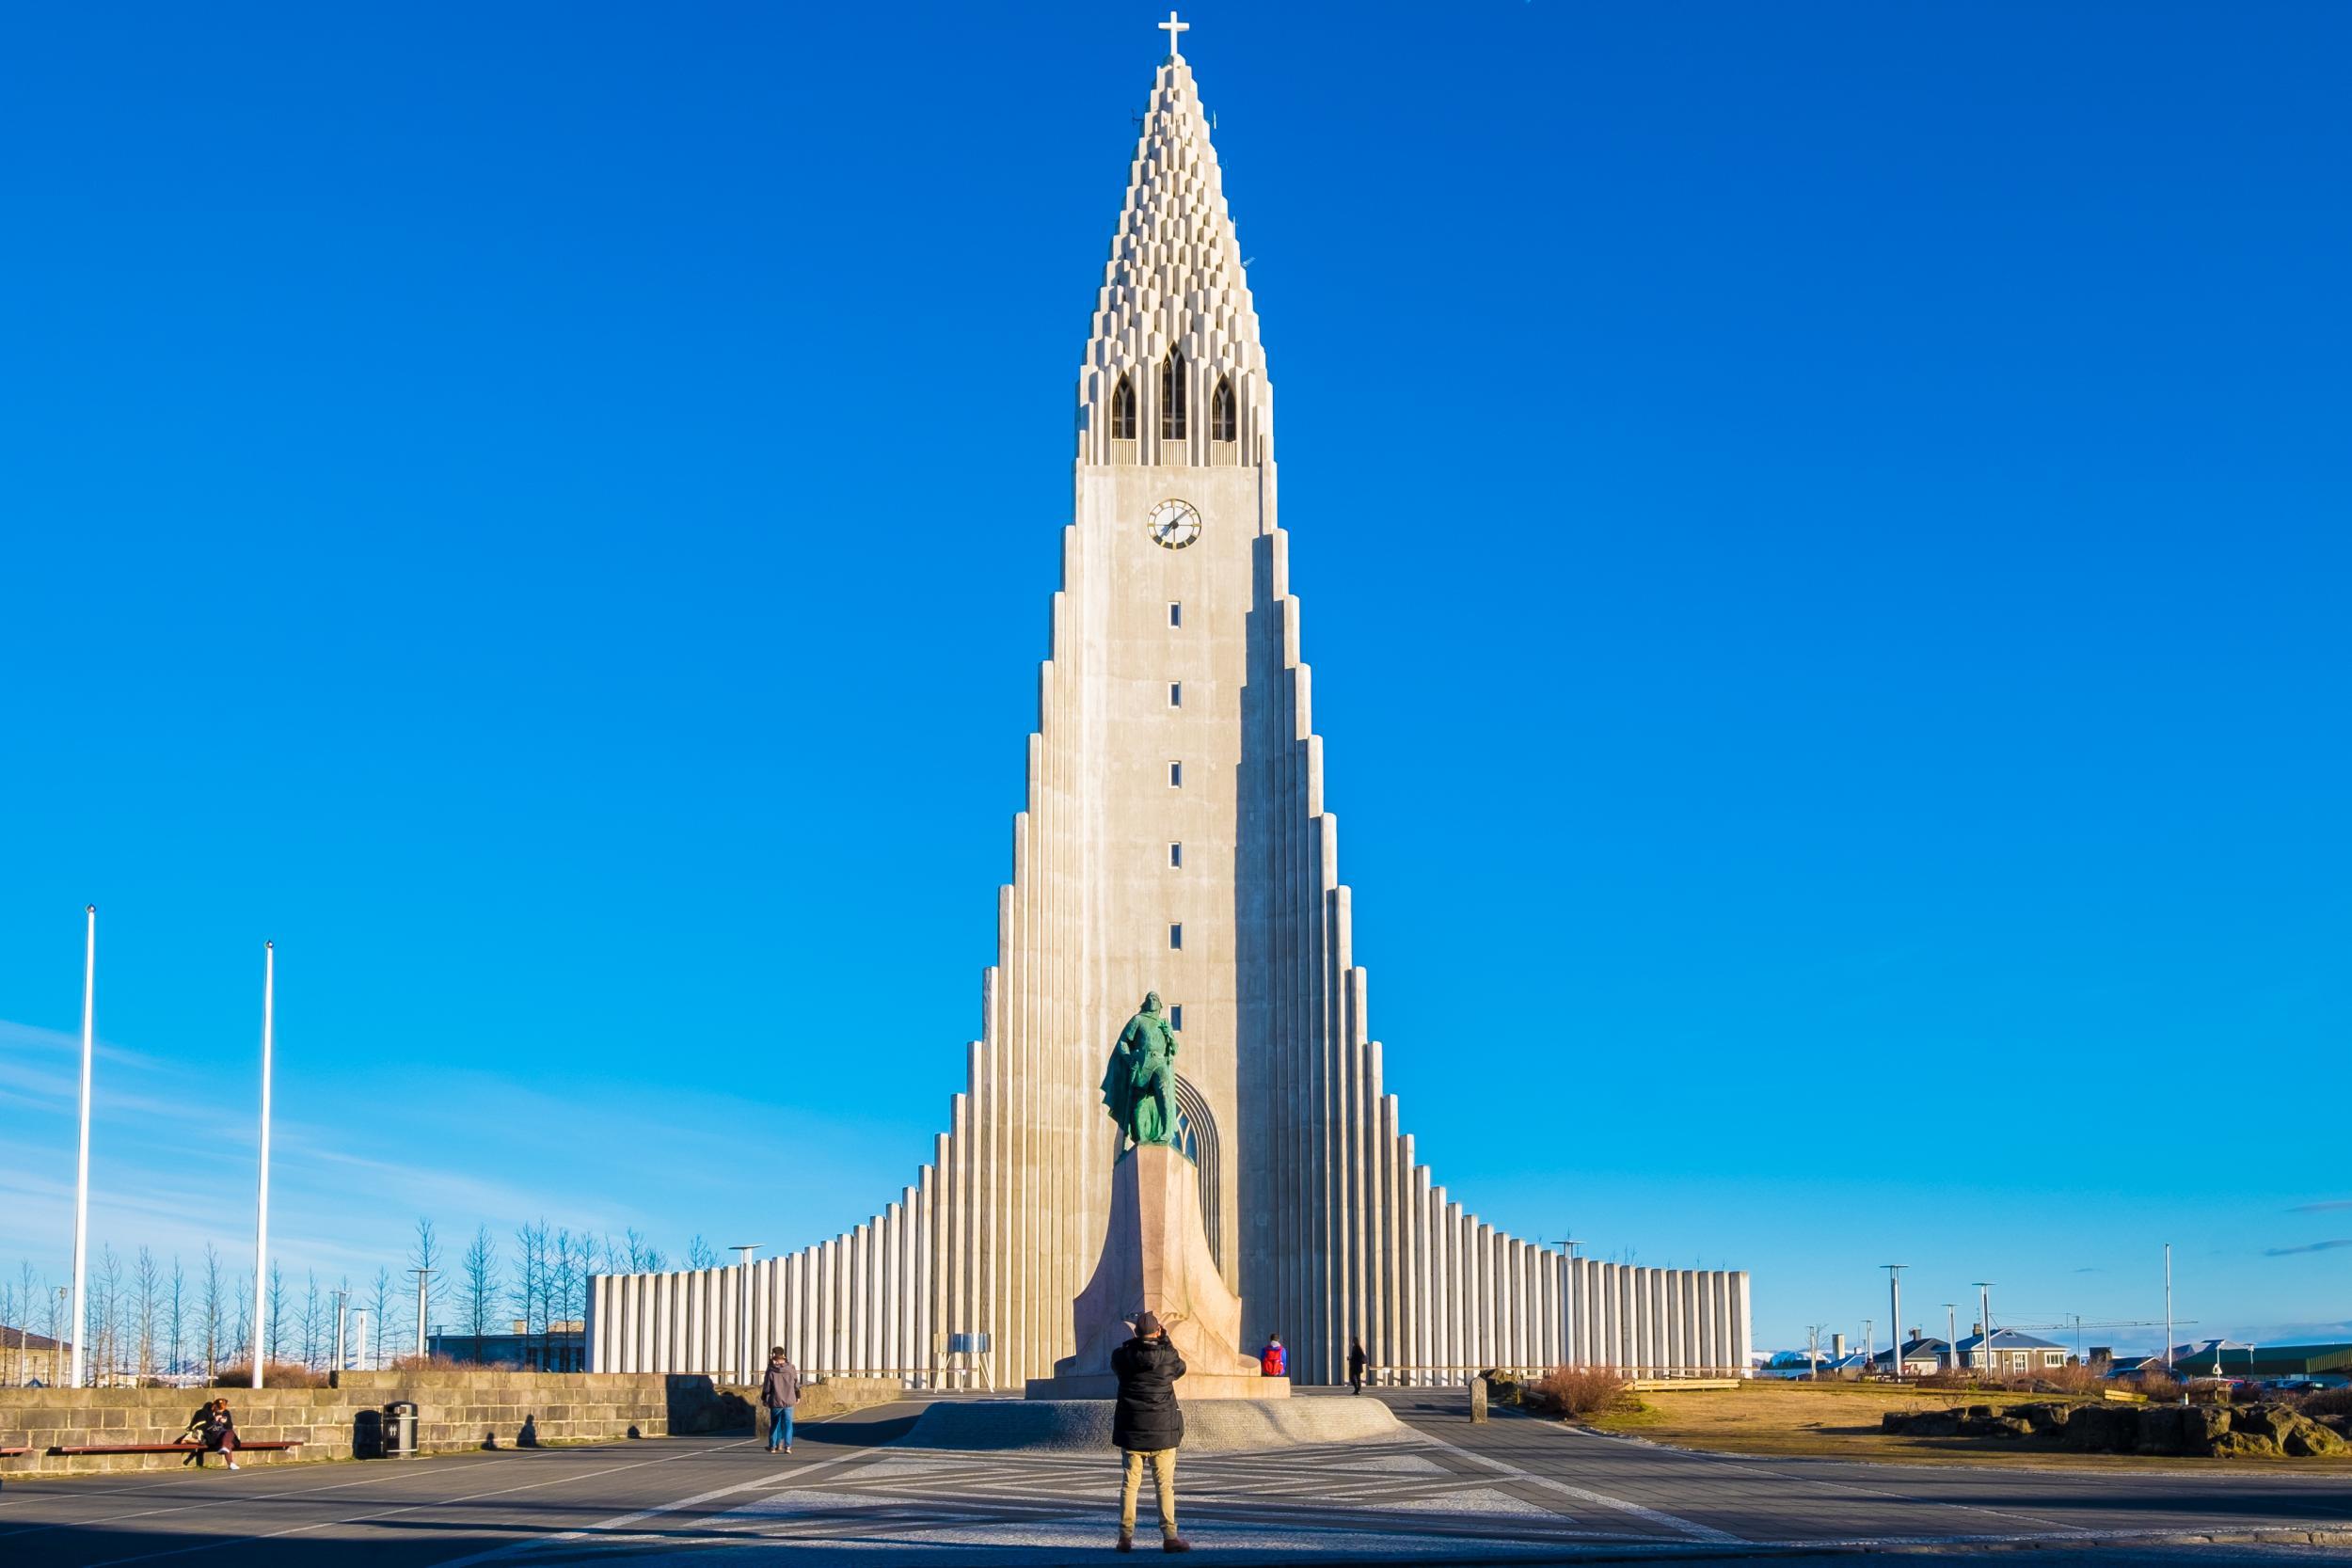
(1821, 530)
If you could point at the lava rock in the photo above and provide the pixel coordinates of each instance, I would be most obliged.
(2307, 1439)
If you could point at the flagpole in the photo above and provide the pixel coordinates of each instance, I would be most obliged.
(261, 1234)
(81, 1172)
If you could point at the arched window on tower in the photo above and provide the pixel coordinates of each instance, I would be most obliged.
(1172, 398)
(1123, 411)
(1221, 421)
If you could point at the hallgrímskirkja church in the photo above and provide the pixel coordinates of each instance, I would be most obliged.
(1175, 840)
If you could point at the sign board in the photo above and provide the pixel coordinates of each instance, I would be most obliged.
(968, 1344)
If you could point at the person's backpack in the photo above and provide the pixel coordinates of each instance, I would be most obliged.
(1270, 1361)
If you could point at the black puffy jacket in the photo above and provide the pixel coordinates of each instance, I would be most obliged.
(1148, 1417)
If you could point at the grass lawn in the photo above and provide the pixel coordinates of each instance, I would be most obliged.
(1840, 1421)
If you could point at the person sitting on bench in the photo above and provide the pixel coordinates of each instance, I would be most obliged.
(216, 1432)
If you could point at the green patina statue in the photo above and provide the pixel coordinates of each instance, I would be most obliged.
(1140, 1085)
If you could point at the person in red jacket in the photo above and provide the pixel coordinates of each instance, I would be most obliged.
(1274, 1360)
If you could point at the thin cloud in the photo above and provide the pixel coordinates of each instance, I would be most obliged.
(33, 1037)
(2326, 1207)
(2315, 1247)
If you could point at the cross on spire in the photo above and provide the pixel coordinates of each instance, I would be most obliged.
(1173, 28)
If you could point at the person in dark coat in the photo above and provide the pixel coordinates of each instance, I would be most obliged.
(1356, 1360)
(193, 1434)
(1147, 1425)
(218, 1433)
(779, 1391)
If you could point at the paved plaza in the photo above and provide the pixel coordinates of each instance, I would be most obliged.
(1442, 1491)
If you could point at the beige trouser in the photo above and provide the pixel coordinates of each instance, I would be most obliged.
(1163, 1476)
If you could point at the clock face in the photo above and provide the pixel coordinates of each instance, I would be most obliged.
(1174, 524)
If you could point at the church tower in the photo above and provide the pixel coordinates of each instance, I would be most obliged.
(1173, 840)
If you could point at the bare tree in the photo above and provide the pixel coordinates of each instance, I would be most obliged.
(644, 1256)
(699, 1255)
(382, 1302)
(147, 1305)
(481, 1285)
(277, 1308)
(108, 1291)
(565, 1275)
(13, 1317)
(176, 1319)
(424, 1252)
(210, 1313)
(55, 1306)
(248, 1339)
(311, 1350)
(532, 1278)
(29, 1294)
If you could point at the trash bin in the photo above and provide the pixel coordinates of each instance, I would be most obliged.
(404, 1414)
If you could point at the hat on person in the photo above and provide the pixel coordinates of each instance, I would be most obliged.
(1147, 1324)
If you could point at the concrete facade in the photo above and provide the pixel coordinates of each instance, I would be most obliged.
(1175, 838)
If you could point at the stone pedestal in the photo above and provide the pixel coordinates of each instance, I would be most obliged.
(1155, 1257)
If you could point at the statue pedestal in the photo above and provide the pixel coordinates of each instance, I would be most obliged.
(1155, 1257)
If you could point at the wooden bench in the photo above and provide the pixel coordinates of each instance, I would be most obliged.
(67, 1448)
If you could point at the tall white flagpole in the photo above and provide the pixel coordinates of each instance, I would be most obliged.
(81, 1173)
(261, 1235)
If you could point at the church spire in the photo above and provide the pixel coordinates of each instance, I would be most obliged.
(1173, 322)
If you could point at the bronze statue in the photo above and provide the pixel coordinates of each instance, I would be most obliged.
(1140, 1085)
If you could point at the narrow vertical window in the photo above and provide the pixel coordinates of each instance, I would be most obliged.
(1176, 936)
(1176, 1016)
(1222, 420)
(1123, 411)
(1175, 693)
(1172, 398)
(1175, 614)
(1175, 775)
(1176, 856)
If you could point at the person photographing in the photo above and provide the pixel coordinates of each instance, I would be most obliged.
(1147, 1425)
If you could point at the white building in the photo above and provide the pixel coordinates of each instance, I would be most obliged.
(1176, 839)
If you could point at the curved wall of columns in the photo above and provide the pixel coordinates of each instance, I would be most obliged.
(864, 1303)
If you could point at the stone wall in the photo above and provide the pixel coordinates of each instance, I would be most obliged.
(735, 1408)
(455, 1411)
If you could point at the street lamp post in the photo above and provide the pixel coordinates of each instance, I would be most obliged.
(1984, 1326)
(1895, 1304)
(422, 1275)
(2168, 1306)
